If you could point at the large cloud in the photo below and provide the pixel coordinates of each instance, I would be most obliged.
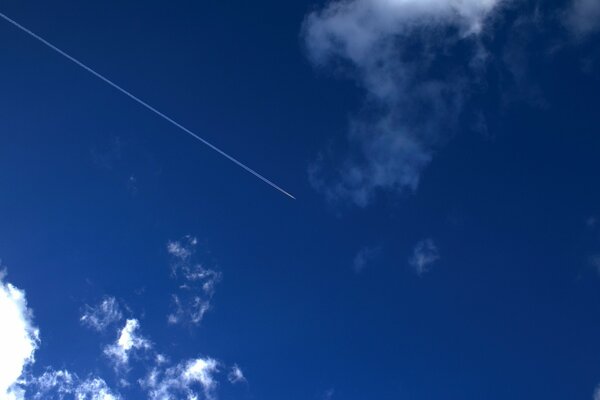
(18, 339)
(583, 17)
(416, 60)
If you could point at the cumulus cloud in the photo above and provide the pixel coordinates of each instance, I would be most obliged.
(401, 53)
(183, 380)
(62, 383)
(102, 315)
(19, 339)
(196, 282)
(129, 341)
(424, 255)
(583, 17)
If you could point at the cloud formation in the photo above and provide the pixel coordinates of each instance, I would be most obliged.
(364, 257)
(129, 341)
(597, 393)
(181, 380)
(19, 339)
(424, 255)
(583, 17)
(191, 379)
(101, 316)
(196, 282)
(236, 375)
(62, 383)
(401, 54)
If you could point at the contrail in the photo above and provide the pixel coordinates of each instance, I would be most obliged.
(143, 103)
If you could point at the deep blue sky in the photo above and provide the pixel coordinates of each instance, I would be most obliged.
(94, 187)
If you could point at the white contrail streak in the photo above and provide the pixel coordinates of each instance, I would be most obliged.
(143, 103)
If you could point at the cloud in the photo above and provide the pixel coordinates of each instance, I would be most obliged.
(182, 249)
(182, 379)
(236, 375)
(364, 257)
(196, 282)
(129, 340)
(101, 316)
(58, 384)
(424, 255)
(583, 17)
(61, 382)
(401, 54)
(94, 389)
(19, 339)
(328, 395)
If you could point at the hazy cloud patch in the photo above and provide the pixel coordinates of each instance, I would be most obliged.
(364, 257)
(425, 254)
(400, 53)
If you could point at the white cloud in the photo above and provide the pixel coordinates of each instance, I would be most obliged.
(94, 389)
(424, 255)
(583, 17)
(236, 375)
(399, 52)
(129, 340)
(62, 383)
(182, 249)
(101, 316)
(196, 283)
(19, 339)
(597, 393)
(182, 380)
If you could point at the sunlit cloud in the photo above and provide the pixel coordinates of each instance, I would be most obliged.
(19, 339)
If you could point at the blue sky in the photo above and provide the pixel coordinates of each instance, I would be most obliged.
(445, 237)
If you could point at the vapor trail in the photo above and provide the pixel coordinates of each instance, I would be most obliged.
(143, 103)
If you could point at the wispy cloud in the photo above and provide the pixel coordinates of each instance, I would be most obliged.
(19, 339)
(58, 384)
(128, 341)
(179, 381)
(101, 316)
(583, 17)
(131, 352)
(328, 395)
(400, 53)
(196, 282)
(596, 395)
(425, 254)
(236, 375)
(365, 256)
(182, 249)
